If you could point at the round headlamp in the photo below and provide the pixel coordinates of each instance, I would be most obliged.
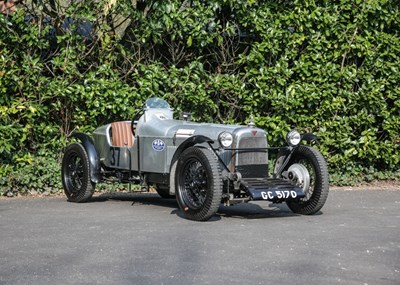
(293, 138)
(225, 139)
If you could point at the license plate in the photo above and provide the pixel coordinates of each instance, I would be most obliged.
(280, 194)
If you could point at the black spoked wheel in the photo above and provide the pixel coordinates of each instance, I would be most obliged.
(198, 184)
(76, 174)
(308, 169)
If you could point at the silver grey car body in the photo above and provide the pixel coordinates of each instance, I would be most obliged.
(175, 156)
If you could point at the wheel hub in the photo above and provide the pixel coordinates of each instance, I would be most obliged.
(299, 174)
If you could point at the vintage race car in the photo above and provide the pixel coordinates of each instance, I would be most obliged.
(201, 164)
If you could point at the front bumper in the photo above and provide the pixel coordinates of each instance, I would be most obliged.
(271, 189)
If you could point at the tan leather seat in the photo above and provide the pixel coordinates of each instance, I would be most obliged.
(122, 134)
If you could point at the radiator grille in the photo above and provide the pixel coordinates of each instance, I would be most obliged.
(252, 157)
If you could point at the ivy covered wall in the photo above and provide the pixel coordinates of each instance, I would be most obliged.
(327, 67)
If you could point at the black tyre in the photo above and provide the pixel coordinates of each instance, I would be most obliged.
(76, 174)
(198, 184)
(163, 191)
(309, 163)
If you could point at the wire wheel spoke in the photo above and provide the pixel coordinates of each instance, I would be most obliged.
(75, 170)
(198, 183)
(194, 184)
(75, 173)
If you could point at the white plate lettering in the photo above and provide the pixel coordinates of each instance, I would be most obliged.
(280, 194)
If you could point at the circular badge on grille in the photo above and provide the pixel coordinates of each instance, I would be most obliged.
(158, 145)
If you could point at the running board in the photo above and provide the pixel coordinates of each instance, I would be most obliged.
(272, 189)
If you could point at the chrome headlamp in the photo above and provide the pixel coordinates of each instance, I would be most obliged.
(225, 139)
(293, 138)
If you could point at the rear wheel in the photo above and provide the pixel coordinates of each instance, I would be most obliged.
(308, 169)
(198, 184)
(76, 174)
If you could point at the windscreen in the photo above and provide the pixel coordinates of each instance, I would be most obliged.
(157, 103)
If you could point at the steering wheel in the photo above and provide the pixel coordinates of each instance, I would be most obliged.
(135, 119)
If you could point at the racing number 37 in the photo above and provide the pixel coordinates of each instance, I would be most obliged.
(114, 152)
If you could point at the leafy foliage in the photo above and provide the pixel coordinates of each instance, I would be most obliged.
(318, 66)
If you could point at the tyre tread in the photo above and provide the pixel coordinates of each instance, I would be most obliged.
(321, 188)
(88, 187)
(213, 198)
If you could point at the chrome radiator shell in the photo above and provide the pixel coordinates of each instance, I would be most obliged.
(248, 154)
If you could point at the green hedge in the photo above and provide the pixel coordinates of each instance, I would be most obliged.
(318, 66)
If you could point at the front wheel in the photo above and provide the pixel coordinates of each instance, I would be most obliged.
(76, 174)
(198, 183)
(308, 169)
